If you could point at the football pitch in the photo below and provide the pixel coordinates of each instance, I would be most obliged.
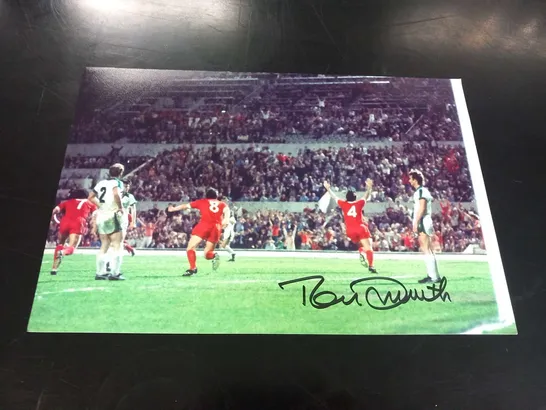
(244, 296)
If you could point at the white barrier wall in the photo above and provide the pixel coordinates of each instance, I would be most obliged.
(372, 208)
(75, 173)
(154, 149)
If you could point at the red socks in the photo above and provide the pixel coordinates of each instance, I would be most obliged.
(68, 250)
(128, 247)
(57, 249)
(369, 255)
(191, 258)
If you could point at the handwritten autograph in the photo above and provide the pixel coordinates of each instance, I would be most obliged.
(373, 297)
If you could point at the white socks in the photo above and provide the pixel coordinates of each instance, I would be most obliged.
(432, 267)
(115, 259)
(229, 250)
(101, 263)
(115, 262)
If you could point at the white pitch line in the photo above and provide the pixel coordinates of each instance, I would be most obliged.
(71, 290)
(457, 257)
(187, 281)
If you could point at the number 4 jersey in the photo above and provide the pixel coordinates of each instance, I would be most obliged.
(352, 212)
(356, 230)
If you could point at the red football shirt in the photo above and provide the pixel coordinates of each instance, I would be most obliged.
(211, 210)
(352, 213)
(77, 208)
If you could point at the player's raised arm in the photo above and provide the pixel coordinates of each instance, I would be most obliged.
(177, 208)
(328, 188)
(368, 193)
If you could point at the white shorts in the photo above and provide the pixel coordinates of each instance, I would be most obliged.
(426, 226)
(228, 234)
(108, 223)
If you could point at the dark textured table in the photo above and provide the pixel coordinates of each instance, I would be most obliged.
(497, 48)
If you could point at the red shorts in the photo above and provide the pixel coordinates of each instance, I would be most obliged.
(208, 232)
(72, 226)
(359, 232)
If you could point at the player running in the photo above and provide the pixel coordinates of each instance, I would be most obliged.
(128, 202)
(357, 229)
(107, 221)
(228, 236)
(215, 214)
(422, 224)
(72, 225)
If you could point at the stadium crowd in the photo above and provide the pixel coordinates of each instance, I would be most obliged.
(455, 229)
(262, 175)
(417, 112)
(360, 112)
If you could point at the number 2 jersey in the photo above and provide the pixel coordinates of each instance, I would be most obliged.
(104, 191)
(211, 210)
(352, 213)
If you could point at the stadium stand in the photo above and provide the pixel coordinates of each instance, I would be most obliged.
(280, 137)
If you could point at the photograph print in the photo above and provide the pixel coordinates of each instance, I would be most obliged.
(265, 203)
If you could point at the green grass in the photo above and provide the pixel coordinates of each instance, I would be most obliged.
(244, 297)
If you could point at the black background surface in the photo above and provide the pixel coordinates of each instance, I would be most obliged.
(498, 48)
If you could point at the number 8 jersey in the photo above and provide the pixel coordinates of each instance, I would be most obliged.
(211, 210)
(104, 191)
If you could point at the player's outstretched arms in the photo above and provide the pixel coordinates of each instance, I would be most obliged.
(177, 208)
(329, 189)
(368, 193)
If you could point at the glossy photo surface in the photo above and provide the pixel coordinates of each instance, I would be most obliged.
(289, 246)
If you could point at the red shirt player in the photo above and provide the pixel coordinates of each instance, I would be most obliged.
(73, 224)
(214, 216)
(356, 227)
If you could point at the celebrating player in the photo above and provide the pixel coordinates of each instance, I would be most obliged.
(72, 225)
(108, 221)
(214, 215)
(128, 202)
(228, 236)
(357, 229)
(422, 224)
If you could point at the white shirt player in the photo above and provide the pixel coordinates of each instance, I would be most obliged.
(229, 229)
(104, 191)
(422, 193)
(128, 200)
